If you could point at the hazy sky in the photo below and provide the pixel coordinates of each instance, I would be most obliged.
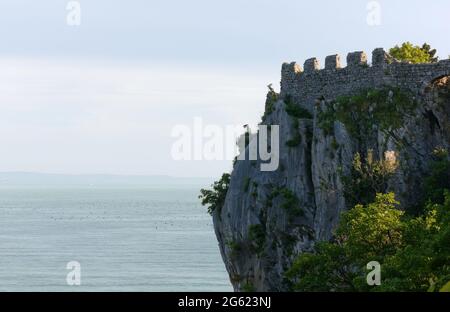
(104, 96)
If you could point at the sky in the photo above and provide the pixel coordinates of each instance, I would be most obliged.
(104, 96)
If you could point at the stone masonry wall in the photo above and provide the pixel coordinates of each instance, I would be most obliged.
(311, 83)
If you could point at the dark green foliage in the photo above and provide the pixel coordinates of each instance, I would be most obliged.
(431, 53)
(288, 242)
(334, 144)
(325, 270)
(295, 110)
(439, 178)
(248, 287)
(367, 178)
(257, 238)
(295, 141)
(297, 138)
(235, 248)
(326, 119)
(414, 252)
(384, 109)
(290, 202)
(215, 198)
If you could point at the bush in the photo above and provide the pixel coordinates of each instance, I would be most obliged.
(215, 198)
(384, 109)
(257, 237)
(295, 141)
(368, 177)
(414, 54)
(235, 248)
(290, 203)
(295, 110)
(414, 252)
(248, 287)
(439, 178)
(271, 99)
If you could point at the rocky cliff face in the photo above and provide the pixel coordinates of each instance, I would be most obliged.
(270, 217)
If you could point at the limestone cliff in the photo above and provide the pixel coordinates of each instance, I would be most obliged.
(270, 217)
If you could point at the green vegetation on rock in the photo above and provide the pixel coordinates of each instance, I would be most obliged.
(235, 248)
(248, 287)
(295, 110)
(385, 109)
(414, 251)
(439, 179)
(271, 99)
(215, 198)
(290, 201)
(295, 141)
(368, 177)
(257, 238)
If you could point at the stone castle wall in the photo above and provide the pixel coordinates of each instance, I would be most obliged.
(310, 83)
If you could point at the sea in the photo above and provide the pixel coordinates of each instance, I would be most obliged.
(69, 239)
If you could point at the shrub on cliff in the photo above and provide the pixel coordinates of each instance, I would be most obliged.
(215, 198)
(294, 110)
(368, 177)
(414, 252)
(384, 109)
(439, 178)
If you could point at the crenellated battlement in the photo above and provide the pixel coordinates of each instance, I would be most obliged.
(333, 62)
(311, 65)
(308, 83)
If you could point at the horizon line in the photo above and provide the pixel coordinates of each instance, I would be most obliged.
(106, 175)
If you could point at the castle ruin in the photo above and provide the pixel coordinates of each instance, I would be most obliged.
(306, 85)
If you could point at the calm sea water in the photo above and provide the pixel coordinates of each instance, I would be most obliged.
(125, 239)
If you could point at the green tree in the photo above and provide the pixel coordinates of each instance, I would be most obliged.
(368, 177)
(415, 54)
(439, 178)
(431, 52)
(366, 233)
(414, 252)
(215, 198)
(423, 261)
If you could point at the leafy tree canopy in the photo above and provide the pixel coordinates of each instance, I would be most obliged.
(414, 252)
(415, 54)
